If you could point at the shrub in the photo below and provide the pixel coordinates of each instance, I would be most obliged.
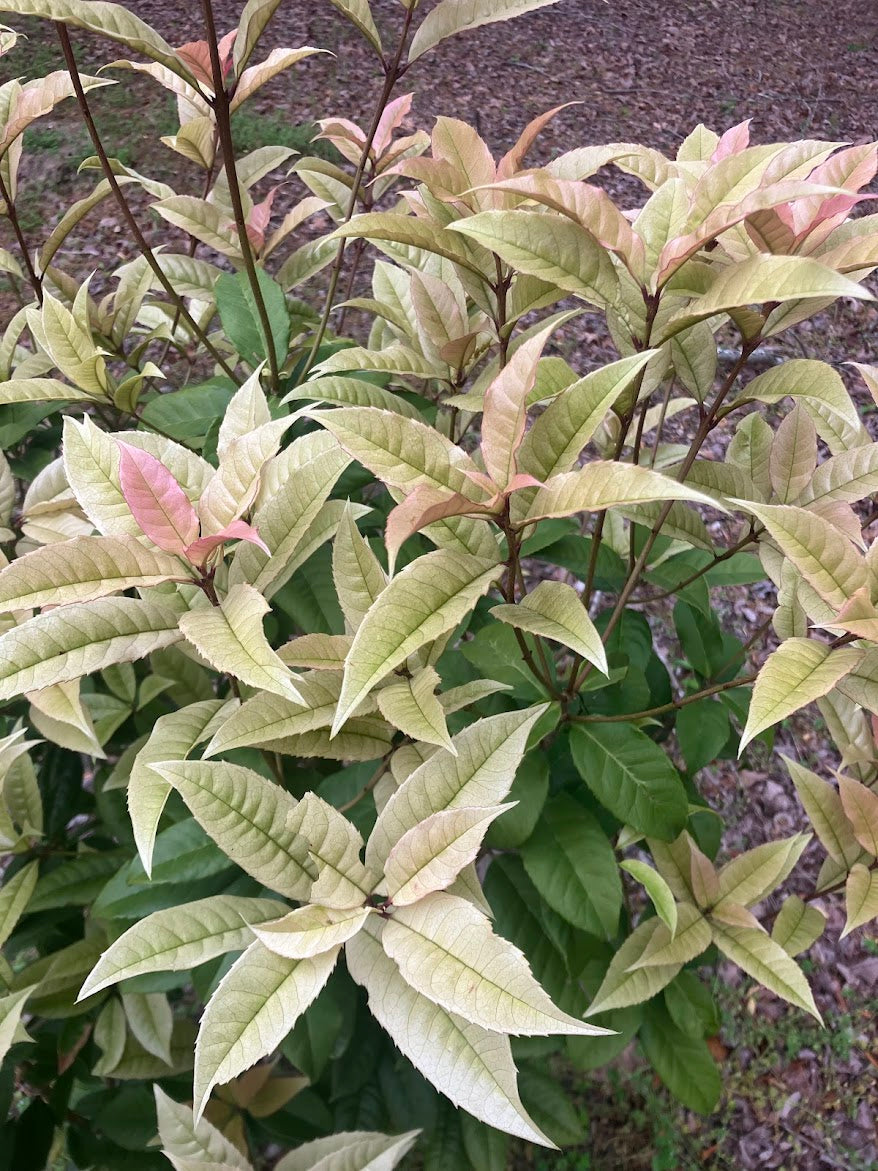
(352, 723)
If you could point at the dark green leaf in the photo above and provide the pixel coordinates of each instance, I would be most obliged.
(702, 732)
(682, 1062)
(240, 316)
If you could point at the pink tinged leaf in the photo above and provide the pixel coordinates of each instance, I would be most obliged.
(736, 139)
(159, 505)
(421, 508)
(390, 121)
(259, 218)
(195, 55)
(199, 551)
(512, 161)
(505, 410)
(225, 50)
(523, 480)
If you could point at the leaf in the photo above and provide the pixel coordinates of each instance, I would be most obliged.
(861, 809)
(481, 774)
(797, 925)
(350, 1151)
(430, 855)
(61, 645)
(180, 938)
(334, 846)
(150, 1020)
(822, 554)
(15, 895)
(265, 717)
(751, 876)
(427, 599)
(411, 706)
(624, 984)
(807, 380)
(253, 1008)
(631, 776)
(767, 962)
(41, 390)
(445, 949)
(570, 861)
(157, 502)
(230, 637)
(690, 939)
(11, 1009)
(401, 452)
(555, 610)
(408, 230)
(684, 1063)
(318, 652)
(793, 455)
(450, 17)
(765, 278)
(658, 890)
(183, 1137)
(356, 571)
(174, 734)
(241, 320)
(360, 14)
(309, 931)
(823, 805)
(248, 817)
(606, 484)
(81, 570)
(505, 408)
(798, 672)
(559, 435)
(861, 897)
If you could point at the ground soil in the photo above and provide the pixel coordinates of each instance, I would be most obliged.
(642, 70)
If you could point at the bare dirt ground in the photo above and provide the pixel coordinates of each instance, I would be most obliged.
(796, 1097)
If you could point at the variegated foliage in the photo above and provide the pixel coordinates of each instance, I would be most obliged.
(352, 727)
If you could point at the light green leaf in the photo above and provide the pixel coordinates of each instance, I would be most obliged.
(81, 570)
(266, 717)
(808, 380)
(248, 817)
(356, 571)
(559, 435)
(797, 925)
(825, 811)
(410, 231)
(861, 897)
(550, 247)
(658, 890)
(766, 961)
(412, 706)
(691, 938)
(861, 809)
(14, 898)
(751, 876)
(632, 776)
(427, 599)
(847, 477)
(450, 17)
(183, 1137)
(430, 855)
(793, 454)
(355, 1150)
(41, 390)
(352, 392)
(176, 733)
(823, 555)
(150, 1020)
(360, 14)
(556, 611)
(180, 938)
(481, 774)
(253, 1008)
(624, 984)
(798, 672)
(445, 949)
(230, 637)
(11, 1009)
(61, 645)
(334, 846)
(606, 484)
(309, 931)
(570, 861)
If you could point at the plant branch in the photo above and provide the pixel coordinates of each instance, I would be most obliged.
(674, 705)
(222, 111)
(127, 214)
(392, 73)
(32, 274)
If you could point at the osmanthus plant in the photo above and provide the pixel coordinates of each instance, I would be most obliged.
(355, 741)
